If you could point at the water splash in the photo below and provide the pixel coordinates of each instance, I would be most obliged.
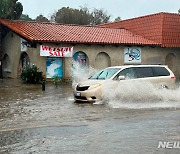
(80, 73)
(137, 95)
(144, 105)
(130, 95)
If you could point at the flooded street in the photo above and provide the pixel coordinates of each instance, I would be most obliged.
(33, 121)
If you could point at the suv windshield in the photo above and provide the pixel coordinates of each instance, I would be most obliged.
(105, 74)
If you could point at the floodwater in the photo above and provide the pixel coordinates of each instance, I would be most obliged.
(33, 121)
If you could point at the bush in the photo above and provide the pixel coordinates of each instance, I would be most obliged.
(32, 75)
(56, 80)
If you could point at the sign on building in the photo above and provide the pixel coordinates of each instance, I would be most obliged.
(132, 55)
(56, 51)
(54, 67)
(23, 45)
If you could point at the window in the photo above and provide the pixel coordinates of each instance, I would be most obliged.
(105, 74)
(142, 72)
(160, 71)
(128, 73)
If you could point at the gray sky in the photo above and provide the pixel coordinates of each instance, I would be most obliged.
(123, 8)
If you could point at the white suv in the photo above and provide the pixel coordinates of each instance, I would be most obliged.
(91, 90)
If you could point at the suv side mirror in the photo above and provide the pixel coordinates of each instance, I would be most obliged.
(121, 77)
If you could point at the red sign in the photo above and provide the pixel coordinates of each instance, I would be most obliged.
(56, 51)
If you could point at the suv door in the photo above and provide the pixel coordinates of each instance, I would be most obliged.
(158, 76)
(145, 74)
(163, 77)
(128, 73)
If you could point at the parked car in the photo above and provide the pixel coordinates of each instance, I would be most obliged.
(92, 89)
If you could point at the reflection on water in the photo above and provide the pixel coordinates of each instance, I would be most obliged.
(33, 121)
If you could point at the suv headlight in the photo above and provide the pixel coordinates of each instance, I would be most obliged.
(95, 86)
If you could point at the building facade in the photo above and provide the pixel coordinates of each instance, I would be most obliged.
(54, 47)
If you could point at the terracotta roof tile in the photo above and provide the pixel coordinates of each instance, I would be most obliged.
(171, 30)
(51, 32)
(163, 28)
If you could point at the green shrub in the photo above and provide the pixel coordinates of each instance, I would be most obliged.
(56, 80)
(32, 75)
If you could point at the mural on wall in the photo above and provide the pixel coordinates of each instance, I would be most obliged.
(132, 55)
(54, 67)
(80, 57)
(79, 64)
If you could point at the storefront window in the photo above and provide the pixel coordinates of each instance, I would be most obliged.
(54, 67)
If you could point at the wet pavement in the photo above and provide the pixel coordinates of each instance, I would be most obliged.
(33, 121)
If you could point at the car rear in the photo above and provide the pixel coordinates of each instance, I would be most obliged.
(171, 79)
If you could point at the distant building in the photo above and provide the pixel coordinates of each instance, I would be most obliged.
(152, 39)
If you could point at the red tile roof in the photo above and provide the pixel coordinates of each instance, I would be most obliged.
(163, 28)
(51, 32)
(171, 30)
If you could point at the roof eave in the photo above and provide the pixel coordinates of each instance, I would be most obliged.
(23, 35)
(94, 43)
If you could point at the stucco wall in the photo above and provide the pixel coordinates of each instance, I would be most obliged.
(11, 47)
(158, 56)
(36, 59)
(115, 53)
(150, 55)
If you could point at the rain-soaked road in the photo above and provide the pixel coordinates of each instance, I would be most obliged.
(32, 121)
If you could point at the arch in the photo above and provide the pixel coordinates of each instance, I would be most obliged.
(6, 63)
(81, 58)
(102, 60)
(79, 65)
(171, 61)
(24, 60)
(6, 66)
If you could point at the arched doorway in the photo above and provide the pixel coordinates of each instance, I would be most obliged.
(102, 60)
(80, 61)
(80, 58)
(171, 62)
(80, 67)
(6, 66)
(24, 62)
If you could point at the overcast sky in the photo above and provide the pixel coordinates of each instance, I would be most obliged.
(123, 8)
